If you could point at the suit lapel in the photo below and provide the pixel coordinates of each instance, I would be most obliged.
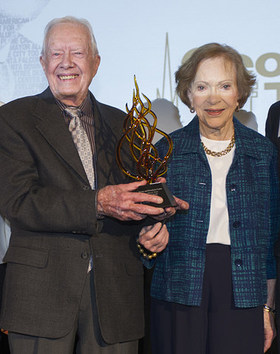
(53, 128)
(104, 142)
(107, 133)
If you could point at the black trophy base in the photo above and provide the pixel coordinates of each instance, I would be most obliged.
(161, 190)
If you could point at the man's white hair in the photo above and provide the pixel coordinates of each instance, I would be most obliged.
(73, 20)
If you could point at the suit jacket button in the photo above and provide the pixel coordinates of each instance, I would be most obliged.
(236, 224)
(238, 262)
(84, 255)
(86, 188)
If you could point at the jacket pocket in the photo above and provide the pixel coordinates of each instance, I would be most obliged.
(27, 256)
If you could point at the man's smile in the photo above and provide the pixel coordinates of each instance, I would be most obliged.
(67, 77)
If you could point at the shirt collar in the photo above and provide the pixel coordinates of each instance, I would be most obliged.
(85, 107)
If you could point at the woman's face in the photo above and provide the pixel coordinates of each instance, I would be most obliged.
(214, 96)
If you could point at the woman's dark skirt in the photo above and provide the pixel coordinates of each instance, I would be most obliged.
(215, 327)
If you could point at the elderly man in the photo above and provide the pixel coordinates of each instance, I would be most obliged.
(73, 267)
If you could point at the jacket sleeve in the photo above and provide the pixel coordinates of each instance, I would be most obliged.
(274, 216)
(272, 122)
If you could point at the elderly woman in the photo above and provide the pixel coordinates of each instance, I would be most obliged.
(212, 288)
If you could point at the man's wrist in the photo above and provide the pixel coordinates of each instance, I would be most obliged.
(99, 214)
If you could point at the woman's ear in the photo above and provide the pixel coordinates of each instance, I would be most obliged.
(237, 107)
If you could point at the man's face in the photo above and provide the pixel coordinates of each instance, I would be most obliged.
(69, 63)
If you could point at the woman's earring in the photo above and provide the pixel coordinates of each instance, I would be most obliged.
(192, 110)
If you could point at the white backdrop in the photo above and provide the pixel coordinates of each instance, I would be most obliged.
(131, 37)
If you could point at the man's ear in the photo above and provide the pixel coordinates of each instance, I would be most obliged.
(97, 60)
(42, 61)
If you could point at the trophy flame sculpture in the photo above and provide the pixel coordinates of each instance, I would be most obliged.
(138, 134)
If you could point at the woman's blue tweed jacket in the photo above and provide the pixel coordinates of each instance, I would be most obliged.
(253, 206)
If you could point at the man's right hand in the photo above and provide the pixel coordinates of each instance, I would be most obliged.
(123, 203)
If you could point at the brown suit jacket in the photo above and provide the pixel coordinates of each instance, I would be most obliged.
(45, 194)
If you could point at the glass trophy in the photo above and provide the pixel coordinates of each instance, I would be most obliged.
(139, 129)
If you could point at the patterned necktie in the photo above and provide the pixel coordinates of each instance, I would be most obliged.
(81, 141)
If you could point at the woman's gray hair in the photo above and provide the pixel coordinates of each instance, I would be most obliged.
(72, 20)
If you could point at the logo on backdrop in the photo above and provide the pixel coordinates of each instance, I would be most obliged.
(20, 70)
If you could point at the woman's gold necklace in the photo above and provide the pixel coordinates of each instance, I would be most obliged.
(220, 153)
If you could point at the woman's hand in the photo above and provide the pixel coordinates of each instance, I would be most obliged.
(170, 211)
(154, 237)
(269, 330)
